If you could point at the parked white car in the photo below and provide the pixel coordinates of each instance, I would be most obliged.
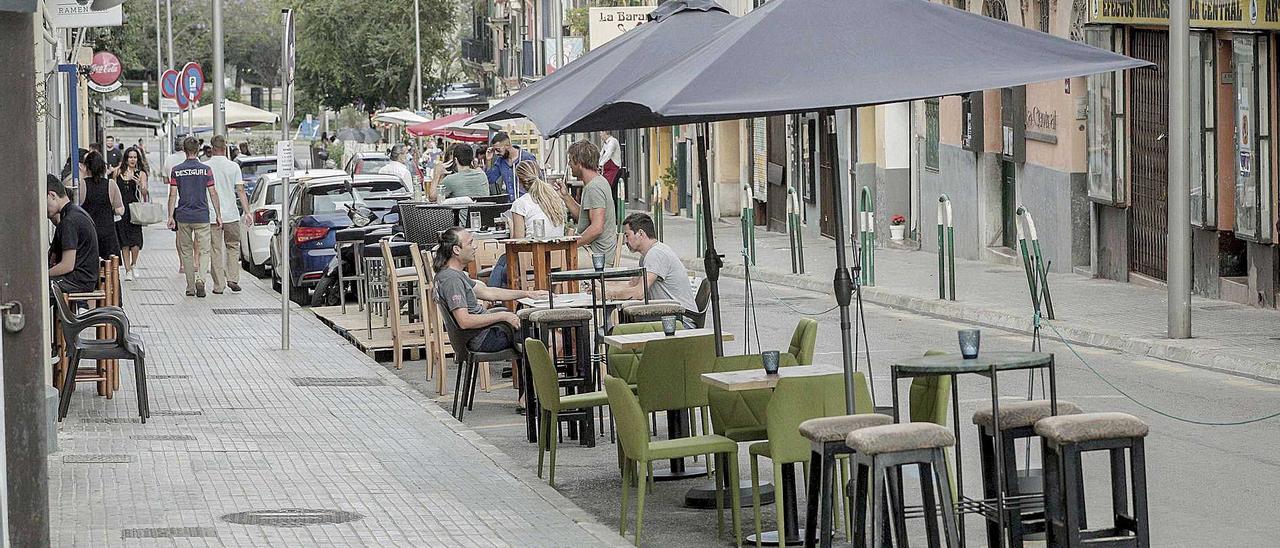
(255, 239)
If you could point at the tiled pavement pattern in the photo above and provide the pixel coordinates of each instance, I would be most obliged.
(231, 432)
(1115, 315)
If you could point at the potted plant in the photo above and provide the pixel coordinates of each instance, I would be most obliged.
(897, 226)
(668, 181)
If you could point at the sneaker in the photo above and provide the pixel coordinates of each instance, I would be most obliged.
(234, 286)
(217, 292)
(191, 292)
(199, 288)
(128, 275)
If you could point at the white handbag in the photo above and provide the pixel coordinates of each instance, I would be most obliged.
(145, 213)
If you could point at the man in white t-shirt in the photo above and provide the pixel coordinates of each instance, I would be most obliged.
(667, 276)
(226, 237)
(396, 167)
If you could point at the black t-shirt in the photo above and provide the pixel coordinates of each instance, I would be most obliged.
(113, 156)
(75, 231)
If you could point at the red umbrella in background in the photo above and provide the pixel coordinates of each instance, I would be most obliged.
(440, 128)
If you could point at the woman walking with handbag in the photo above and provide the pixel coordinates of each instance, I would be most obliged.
(131, 179)
(100, 198)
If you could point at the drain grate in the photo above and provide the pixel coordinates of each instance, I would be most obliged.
(163, 437)
(177, 412)
(110, 420)
(291, 517)
(168, 376)
(155, 304)
(169, 532)
(336, 381)
(97, 459)
(149, 289)
(246, 311)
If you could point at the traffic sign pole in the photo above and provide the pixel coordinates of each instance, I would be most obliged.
(285, 223)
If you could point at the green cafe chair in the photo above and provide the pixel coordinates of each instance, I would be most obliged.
(803, 340)
(740, 414)
(622, 363)
(639, 452)
(795, 400)
(546, 385)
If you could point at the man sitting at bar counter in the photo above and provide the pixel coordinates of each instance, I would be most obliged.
(667, 276)
(459, 293)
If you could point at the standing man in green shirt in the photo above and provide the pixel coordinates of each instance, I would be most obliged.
(597, 220)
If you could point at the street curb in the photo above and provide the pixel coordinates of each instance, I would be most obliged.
(1165, 349)
(583, 519)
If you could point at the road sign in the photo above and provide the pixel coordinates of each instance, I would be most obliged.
(104, 72)
(169, 84)
(182, 100)
(191, 80)
(284, 159)
(169, 105)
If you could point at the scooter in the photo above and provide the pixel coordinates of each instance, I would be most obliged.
(365, 224)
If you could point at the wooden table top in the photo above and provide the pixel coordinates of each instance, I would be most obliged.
(534, 242)
(637, 341)
(613, 272)
(756, 379)
(568, 300)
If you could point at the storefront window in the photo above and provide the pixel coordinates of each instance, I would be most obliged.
(1204, 164)
(1105, 125)
(931, 134)
(1253, 137)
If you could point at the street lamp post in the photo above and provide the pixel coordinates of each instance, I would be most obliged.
(1179, 243)
(219, 93)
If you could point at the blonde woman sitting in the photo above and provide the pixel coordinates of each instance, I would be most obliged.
(539, 204)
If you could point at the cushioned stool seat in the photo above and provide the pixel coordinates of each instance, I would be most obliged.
(1069, 429)
(560, 315)
(524, 313)
(1021, 414)
(895, 438)
(652, 311)
(828, 429)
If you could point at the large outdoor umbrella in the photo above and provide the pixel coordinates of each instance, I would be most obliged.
(446, 127)
(792, 56)
(574, 91)
(238, 115)
(401, 117)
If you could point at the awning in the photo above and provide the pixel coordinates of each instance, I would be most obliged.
(440, 127)
(134, 115)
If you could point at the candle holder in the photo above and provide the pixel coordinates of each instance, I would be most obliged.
(669, 325)
(770, 360)
(970, 341)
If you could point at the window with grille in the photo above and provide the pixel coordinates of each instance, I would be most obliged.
(1105, 128)
(1252, 56)
(995, 9)
(1203, 146)
(931, 134)
(1043, 7)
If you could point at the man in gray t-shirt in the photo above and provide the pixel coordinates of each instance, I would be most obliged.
(460, 294)
(667, 277)
(597, 218)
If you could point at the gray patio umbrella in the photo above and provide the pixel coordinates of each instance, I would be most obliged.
(792, 56)
(580, 87)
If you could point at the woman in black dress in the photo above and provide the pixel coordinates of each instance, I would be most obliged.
(100, 198)
(131, 180)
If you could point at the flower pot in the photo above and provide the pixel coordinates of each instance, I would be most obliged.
(896, 232)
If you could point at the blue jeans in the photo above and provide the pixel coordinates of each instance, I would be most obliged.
(498, 278)
(493, 339)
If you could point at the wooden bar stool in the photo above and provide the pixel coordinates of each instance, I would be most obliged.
(878, 450)
(1063, 439)
(827, 437)
(403, 330)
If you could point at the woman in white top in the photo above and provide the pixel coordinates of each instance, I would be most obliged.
(540, 202)
(610, 158)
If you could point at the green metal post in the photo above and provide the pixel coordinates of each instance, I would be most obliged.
(1041, 268)
(1025, 248)
(793, 232)
(657, 209)
(748, 222)
(867, 235)
(697, 218)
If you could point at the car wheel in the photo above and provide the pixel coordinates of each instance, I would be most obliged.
(299, 295)
(259, 271)
(275, 283)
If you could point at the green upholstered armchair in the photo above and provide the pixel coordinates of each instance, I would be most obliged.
(803, 340)
(740, 415)
(622, 363)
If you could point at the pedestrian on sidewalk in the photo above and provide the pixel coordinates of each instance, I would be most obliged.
(461, 294)
(191, 191)
(171, 161)
(667, 276)
(73, 249)
(225, 236)
(131, 182)
(100, 198)
(597, 219)
(610, 157)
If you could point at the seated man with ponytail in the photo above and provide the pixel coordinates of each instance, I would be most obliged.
(461, 295)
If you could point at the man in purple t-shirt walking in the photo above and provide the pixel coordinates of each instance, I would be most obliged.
(191, 194)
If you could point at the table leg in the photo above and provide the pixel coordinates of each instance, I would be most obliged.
(1053, 386)
(793, 534)
(995, 420)
(678, 427)
(959, 462)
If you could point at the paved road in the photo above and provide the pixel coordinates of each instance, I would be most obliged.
(1208, 486)
(233, 431)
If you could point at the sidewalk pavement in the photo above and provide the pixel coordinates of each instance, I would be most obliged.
(1108, 314)
(235, 428)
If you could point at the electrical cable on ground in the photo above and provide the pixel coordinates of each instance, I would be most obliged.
(1143, 405)
(775, 297)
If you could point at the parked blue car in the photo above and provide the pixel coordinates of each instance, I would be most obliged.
(317, 209)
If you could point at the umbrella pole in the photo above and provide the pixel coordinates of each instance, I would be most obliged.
(842, 283)
(711, 260)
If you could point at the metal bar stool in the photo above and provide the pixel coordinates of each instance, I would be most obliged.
(350, 239)
(827, 436)
(1017, 421)
(577, 366)
(1063, 439)
(878, 450)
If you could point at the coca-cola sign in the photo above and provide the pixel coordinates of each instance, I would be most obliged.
(104, 72)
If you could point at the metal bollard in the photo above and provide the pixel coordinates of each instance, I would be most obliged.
(793, 231)
(620, 201)
(946, 248)
(748, 222)
(699, 231)
(657, 210)
(1033, 263)
(867, 235)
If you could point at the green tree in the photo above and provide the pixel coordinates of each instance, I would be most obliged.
(361, 52)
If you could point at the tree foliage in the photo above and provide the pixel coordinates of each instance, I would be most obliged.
(361, 52)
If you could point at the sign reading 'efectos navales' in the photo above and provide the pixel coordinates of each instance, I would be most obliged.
(1229, 14)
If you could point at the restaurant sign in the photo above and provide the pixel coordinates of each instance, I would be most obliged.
(1225, 14)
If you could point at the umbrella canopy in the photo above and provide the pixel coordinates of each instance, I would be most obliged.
(239, 115)
(446, 127)
(587, 83)
(792, 56)
(402, 117)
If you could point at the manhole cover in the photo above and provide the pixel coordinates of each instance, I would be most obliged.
(169, 532)
(177, 412)
(291, 517)
(245, 311)
(163, 437)
(168, 376)
(97, 459)
(110, 420)
(152, 289)
(336, 381)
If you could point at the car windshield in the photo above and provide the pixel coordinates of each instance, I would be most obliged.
(372, 165)
(257, 169)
